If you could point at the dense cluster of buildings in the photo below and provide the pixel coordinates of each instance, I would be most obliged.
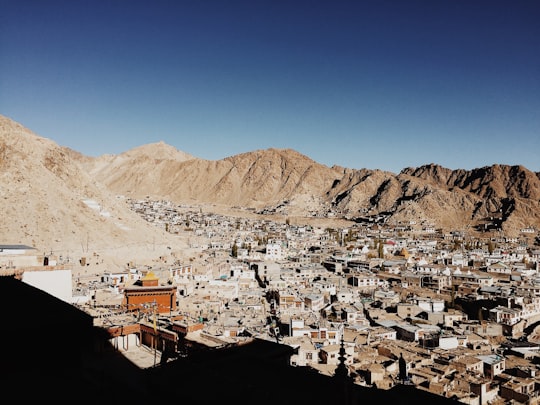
(449, 313)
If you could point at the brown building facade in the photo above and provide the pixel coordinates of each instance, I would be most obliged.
(147, 294)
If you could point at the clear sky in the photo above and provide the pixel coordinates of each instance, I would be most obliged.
(362, 84)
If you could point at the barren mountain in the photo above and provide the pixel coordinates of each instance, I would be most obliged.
(284, 182)
(55, 198)
(509, 194)
(49, 202)
(256, 179)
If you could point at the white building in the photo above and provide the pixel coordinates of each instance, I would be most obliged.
(56, 282)
(273, 251)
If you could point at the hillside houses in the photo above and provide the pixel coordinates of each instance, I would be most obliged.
(438, 307)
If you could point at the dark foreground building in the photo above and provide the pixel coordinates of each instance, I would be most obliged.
(52, 352)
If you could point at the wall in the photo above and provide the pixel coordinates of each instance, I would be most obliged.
(57, 283)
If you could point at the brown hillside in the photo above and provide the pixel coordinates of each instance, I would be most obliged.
(50, 193)
(49, 202)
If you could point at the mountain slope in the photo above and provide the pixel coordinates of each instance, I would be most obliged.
(47, 190)
(254, 179)
(511, 193)
(286, 182)
(49, 202)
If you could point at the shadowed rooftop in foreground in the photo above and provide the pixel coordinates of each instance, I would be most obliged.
(50, 353)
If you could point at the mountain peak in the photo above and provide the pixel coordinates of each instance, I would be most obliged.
(158, 150)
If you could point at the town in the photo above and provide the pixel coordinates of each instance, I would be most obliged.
(450, 313)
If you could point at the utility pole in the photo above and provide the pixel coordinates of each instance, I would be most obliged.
(155, 331)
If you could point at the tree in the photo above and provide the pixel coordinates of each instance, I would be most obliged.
(234, 250)
(380, 249)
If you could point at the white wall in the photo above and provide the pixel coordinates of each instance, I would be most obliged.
(57, 283)
(448, 342)
(125, 343)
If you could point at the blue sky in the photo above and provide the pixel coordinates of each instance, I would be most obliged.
(362, 84)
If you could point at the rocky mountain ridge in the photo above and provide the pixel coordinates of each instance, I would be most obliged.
(285, 182)
(50, 193)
